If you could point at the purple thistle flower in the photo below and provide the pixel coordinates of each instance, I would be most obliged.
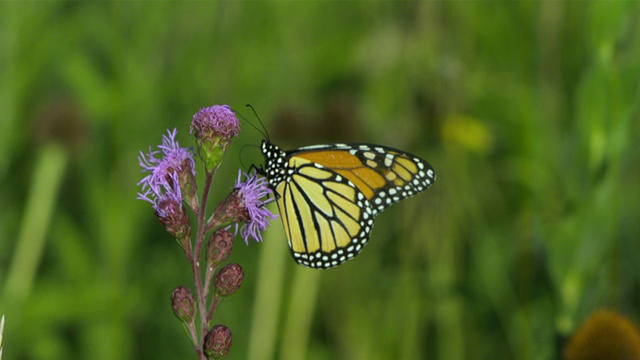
(175, 160)
(161, 194)
(214, 127)
(161, 187)
(216, 120)
(251, 191)
(166, 199)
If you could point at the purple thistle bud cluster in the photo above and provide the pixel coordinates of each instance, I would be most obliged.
(214, 127)
(170, 186)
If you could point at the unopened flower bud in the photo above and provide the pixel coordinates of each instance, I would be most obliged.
(246, 203)
(217, 342)
(173, 216)
(187, 179)
(231, 210)
(213, 128)
(219, 247)
(183, 304)
(229, 279)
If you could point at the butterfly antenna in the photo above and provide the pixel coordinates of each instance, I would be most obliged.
(260, 120)
(245, 120)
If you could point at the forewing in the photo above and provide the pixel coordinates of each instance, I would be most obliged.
(384, 175)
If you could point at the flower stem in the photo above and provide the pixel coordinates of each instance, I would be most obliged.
(207, 280)
(195, 264)
(192, 331)
(191, 325)
(214, 304)
(201, 355)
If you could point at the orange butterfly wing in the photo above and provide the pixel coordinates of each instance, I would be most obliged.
(328, 195)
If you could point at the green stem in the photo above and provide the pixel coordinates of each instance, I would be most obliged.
(208, 278)
(212, 309)
(195, 263)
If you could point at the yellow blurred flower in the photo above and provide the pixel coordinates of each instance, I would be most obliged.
(468, 133)
(604, 335)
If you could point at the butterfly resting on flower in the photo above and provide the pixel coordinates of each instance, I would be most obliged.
(328, 195)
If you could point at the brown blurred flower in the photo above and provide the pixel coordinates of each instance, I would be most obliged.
(604, 335)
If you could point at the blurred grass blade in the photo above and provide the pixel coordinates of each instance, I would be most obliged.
(269, 284)
(302, 305)
(45, 186)
(1, 331)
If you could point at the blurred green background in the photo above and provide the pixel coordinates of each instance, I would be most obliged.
(527, 110)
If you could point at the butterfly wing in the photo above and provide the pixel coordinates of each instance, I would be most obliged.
(385, 175)
(327, 219)
(328, 195)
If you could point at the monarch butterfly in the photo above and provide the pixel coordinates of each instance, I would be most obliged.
(328, 195)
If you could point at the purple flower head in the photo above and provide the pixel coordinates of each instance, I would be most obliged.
(214, 127)
(251, 192)
(164, 196)
(216, 120)
(161, 187)
(166, 199)
(175, 160)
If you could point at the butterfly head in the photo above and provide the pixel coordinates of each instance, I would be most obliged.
(274, 158)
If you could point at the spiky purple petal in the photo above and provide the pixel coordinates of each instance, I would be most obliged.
(255, 195)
